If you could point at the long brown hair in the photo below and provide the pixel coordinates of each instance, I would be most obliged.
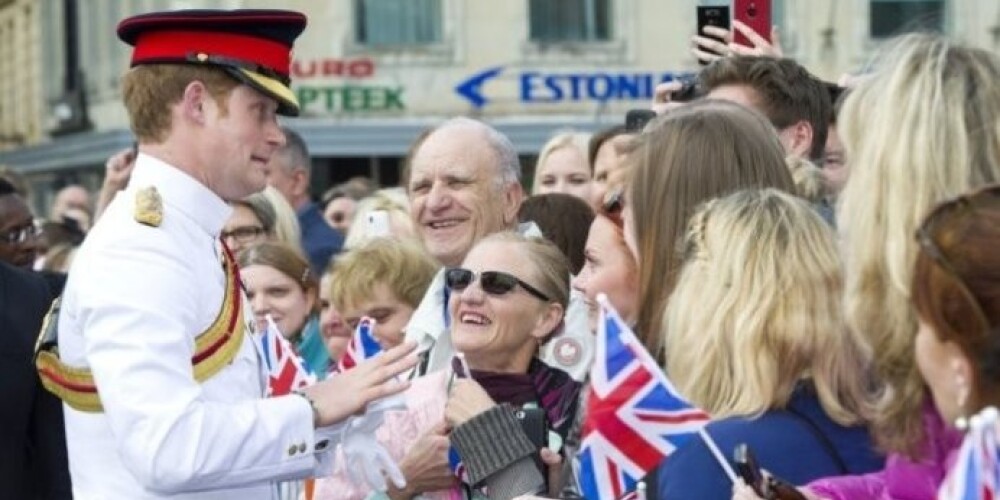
(957, 291)
(702, 151)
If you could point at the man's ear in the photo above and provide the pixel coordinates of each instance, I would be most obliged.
(800, 138)
(301, 181)
(194, 102)
(513, 195)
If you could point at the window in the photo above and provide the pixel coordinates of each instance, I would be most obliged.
(397, 22)
(569, 20)
(892, 17)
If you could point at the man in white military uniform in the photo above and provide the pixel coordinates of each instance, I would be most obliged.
(156, 365)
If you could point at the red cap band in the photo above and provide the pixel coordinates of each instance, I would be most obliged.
(160, 46)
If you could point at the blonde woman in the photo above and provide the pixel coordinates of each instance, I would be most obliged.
(384, 279)
(923, 127)
(563, 167)
(755, 336)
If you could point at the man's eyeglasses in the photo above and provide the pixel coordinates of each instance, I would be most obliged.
(948, 214)
(243, 234)
(21, 235)
(492, 282)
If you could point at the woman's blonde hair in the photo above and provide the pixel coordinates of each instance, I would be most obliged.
(404, 266)
(757, 309)
(286, 223)
(924, 126)
(808, 178)
(701, 151)
(551, 267)
(567, 138)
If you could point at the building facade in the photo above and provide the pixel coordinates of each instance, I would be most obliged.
(371, 74)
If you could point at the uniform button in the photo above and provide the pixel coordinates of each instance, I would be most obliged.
(292, 449)
(320, 446)
(302, 447)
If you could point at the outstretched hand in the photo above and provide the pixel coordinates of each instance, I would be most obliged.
(706, 47)
(348, 393)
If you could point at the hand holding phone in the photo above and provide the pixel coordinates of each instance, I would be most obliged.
(766, 486)
(636, 119)
(756, 14)
(378, 223)
(749, 470)
(709, 46)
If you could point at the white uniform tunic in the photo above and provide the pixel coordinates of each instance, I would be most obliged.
(136, 299)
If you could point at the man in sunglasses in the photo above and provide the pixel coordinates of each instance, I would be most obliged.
(33, 456)
(18, 232)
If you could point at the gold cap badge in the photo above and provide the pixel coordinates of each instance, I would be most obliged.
(148, 207)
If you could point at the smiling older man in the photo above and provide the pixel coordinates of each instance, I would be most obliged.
(464, 183)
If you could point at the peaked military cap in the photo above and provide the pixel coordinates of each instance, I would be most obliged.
(253, 46)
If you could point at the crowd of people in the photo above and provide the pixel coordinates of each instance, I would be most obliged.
(809, 263)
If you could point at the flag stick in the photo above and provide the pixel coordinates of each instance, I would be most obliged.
(717, 454)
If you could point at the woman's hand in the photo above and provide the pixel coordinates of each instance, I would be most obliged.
(742, 491)
(425, 465)
(345, 394)
(466, 400)
(553, 462)
(662, 97)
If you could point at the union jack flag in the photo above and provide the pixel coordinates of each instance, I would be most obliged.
(361, 347)
(976, 473)
(286, 372)
(634, 417)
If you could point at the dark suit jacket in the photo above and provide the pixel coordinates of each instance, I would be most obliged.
(33, 450)
(319, 240)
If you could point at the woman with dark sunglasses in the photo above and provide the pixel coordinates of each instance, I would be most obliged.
(508, 298)
(477, 430)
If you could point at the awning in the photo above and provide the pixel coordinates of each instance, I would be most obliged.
(325, 138)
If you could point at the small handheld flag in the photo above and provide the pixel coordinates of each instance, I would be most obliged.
(286, 372)
(362, 345)
(635, 418)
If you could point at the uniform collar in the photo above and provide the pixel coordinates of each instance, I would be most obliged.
(182, 192)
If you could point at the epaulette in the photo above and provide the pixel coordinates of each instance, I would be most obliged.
(148, 207)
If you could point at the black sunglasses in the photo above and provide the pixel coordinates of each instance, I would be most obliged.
(493, 282)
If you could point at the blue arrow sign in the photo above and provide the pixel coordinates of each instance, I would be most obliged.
(470, 90)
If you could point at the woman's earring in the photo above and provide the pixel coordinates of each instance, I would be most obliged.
(962, 423)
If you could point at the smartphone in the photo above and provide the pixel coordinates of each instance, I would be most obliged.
(749, 470)
(717, 15)
(768, 488)
(535, 425)
(754, 13)
(689, 91)
(636, 119)
(378, 223)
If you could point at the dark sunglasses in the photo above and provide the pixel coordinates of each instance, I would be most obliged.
(949, 213)
(492, 282)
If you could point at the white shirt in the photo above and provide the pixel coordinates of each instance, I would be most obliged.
(136, 299)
